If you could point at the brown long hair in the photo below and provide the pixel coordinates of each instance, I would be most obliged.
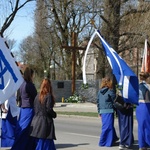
(144, 75)
(107, 82)
(45, 89)
(28, 74)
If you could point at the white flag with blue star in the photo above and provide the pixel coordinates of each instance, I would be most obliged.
(10, 75)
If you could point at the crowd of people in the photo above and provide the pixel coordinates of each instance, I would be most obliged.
(106, 111)
(30, 127)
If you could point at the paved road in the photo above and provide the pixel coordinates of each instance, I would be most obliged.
(74, 143)
(70, 139)
(82, 133)
(77, 133)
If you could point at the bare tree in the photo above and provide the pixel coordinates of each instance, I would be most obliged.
(122, 27)
(120, 22)
(14, 7)
(66, 17)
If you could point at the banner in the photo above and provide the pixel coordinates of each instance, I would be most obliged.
(146, 58)
(125, 77)
(10, 75)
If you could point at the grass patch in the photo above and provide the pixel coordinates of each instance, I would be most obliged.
(88, 114)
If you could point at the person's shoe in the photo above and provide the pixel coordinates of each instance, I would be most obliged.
(115, 143)
(121, 147)
(127, 146)
(117, 140)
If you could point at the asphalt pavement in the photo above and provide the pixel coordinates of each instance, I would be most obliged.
(89, 107)
(70, 107)
(73, 107)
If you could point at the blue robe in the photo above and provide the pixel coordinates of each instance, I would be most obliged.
(22, 138)
(108, 134)
(126, 127)
(44, 144)
(143, 119)
(8, 130)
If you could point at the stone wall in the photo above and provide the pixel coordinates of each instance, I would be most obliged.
(62, 89)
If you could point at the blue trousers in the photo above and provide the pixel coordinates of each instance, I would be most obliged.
(126, 127)
(44, 144)
(143, 119)
(8, 130)
(108, 134)
(22, 138)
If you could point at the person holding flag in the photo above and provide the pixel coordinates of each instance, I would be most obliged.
(125, 77)
(11, 79)
(125, 121)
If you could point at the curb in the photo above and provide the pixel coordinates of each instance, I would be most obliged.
(91, 105)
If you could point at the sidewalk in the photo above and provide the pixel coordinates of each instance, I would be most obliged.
(5, 148)
(76, 107)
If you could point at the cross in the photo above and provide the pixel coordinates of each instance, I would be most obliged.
(73, 48)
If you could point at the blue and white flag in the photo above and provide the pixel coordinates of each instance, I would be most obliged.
(125, 77)
(10, 75)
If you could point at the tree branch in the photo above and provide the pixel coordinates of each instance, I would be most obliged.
(11, 17)
(134, 11)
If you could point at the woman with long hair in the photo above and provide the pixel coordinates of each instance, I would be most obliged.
(106, 95)
(28, 93)
(42, 126)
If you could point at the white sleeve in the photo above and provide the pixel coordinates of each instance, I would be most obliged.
(14, 109)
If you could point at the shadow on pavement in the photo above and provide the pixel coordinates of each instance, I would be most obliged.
(59, 146)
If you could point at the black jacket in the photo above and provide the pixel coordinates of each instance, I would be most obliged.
(28, 93)
(42, 125)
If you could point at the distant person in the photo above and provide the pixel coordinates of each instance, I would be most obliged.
(10, 112)
(106, 95)
(42, 126)
(143, 112)
(28, 93)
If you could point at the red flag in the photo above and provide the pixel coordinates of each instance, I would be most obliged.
(146, 58)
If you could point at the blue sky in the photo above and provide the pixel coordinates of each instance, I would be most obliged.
(23, 24)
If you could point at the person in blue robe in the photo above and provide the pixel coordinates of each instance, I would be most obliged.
(106, 95)
(143, 112)
(10, 112)
(28, 93)
(125, 121)
(42, 127)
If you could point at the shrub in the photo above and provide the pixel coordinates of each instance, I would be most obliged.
(74, 99)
